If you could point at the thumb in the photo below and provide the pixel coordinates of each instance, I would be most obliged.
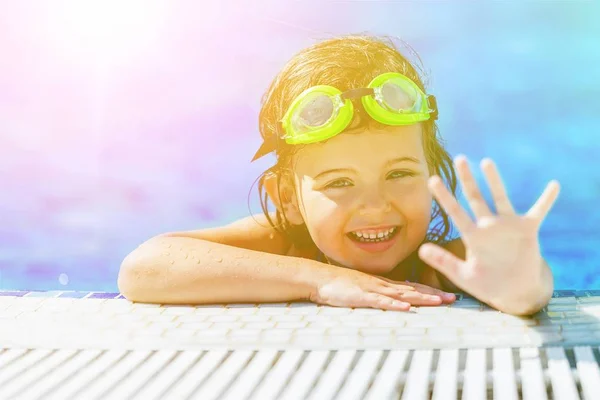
(442, 260)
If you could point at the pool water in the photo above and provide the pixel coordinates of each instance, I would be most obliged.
(100, 150)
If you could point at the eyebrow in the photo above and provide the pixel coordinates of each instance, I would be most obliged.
(387, 164)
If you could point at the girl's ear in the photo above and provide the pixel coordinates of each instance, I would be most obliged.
(288, 202)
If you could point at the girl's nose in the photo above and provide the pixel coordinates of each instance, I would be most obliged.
(374, 204)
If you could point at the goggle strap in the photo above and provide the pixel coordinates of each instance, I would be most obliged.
(357, 93)
(432, 103)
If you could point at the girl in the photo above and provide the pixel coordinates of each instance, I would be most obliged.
(362, 211)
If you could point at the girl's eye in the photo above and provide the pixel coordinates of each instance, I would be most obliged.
(338, 184)
(400, 174)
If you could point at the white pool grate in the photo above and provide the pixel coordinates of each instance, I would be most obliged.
(84, 346)
(501, 373)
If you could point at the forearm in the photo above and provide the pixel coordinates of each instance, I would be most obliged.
(181, 270)
(536, 297)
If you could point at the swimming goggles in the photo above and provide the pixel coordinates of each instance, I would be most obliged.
(321, 112)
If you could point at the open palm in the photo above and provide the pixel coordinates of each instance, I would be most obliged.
(502, 250)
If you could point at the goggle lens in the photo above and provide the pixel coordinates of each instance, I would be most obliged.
(399, 98)
(315, 111)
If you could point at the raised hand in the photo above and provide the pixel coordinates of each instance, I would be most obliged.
(503, 262)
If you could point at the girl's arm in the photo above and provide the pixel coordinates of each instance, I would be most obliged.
(240, 262)
(245, 263)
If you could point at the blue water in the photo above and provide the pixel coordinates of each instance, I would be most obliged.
(515, 81)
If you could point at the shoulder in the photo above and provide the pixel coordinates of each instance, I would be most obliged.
(253, 233)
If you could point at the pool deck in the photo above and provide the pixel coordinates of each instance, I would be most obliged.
(75, 328)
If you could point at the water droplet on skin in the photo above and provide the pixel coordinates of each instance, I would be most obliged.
(166, 254)
(172, 262)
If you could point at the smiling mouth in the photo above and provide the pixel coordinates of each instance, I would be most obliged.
(373, 238)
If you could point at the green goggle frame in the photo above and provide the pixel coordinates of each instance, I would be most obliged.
(322, 112)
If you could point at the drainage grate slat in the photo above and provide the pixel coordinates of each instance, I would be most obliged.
(21, 365)
(276, 380)
(62, 374)
(333, 377)
(589, 373)
(499, 373)
(417, 381)
(446, 380)
(140, 376)
(304, 379)
(224, 375)
(252, 375)
(358, 381)
(29, 377)
(533, 385)
(559, 370)
(504, 377)
(109, 381)
(197, 374)
(169, 376)
(385, 383)
(86, 375)
(8, 356)
(475, 376)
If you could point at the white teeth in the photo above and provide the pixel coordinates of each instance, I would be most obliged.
(374, 234)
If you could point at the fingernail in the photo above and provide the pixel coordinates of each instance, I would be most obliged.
(449, 296)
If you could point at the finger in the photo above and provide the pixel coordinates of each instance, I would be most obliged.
(418, 286)
(472, 193)
(442, 260)
(413, 297)
(542, 206)
(494, 181)
(447, 297)
(448, 202)
(419, 299)
(376, 300)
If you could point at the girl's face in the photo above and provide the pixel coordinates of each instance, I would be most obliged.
(364, 184)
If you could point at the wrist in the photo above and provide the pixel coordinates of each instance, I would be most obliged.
(311, 275)
(536, 296)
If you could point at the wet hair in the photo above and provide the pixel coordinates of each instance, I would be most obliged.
(345, 62)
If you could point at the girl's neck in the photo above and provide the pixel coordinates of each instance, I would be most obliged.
(408, 269)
